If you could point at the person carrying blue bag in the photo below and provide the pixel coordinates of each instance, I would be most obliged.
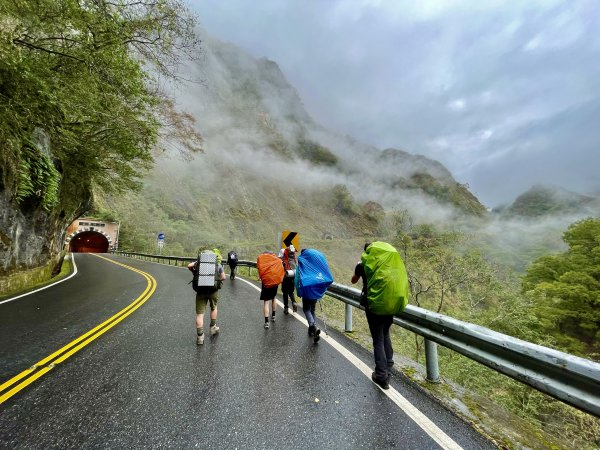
(312, 279)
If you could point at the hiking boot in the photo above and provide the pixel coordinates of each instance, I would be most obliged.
(311, 330)
(200, 340)
(317, 335)
(272, 318)
(214, 329)
(286, 310)
(383, 384)
(294, 307)
(266, 325)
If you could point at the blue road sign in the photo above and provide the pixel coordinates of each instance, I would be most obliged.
(161, 236)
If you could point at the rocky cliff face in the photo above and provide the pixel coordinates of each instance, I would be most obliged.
(26, 240)
(31, 232)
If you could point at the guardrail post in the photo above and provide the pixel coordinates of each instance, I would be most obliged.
(348, 322)
(431, 361)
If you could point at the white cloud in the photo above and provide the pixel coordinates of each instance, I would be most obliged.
(533, 43)
(457, 105)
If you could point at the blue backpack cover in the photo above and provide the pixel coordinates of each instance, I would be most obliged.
(313, 276)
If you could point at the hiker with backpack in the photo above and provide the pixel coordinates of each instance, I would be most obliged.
(289, 260)
(207, 280)
(312, 279)
(270, 272)
(384, 294)
(232, 261)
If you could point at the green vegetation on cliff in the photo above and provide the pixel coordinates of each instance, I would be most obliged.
(79, 110)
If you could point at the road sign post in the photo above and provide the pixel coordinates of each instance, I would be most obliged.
(160, 242)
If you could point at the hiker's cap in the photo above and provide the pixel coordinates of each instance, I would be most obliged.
(292, 248)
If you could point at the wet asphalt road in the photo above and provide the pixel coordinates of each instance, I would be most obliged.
(145, 383)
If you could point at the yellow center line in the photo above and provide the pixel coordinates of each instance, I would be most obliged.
(74, 346)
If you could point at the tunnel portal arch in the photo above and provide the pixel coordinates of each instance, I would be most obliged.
(89, 242)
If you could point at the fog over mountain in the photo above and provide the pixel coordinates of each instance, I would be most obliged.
(255, 126)
(268, 166)
(504, 94)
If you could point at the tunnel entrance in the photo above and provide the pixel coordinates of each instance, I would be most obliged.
(89, 242)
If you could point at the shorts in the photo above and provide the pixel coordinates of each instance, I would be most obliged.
(268, 293)
(203, 299)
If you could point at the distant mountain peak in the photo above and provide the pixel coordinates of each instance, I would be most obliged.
(547, 200)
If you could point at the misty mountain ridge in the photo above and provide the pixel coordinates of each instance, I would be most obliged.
(249, 103)
(268, 166)
(543, 200)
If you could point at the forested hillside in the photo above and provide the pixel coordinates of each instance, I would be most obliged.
(566, 290)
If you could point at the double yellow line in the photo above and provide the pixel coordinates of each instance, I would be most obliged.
(39, 369)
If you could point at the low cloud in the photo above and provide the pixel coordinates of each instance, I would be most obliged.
(479, 86)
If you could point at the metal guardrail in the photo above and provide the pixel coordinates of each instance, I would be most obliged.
(176, 260)
(570, 379)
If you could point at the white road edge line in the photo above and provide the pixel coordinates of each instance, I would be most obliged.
(45, 287)
(445, 441)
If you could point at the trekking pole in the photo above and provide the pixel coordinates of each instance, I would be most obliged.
(323, 315)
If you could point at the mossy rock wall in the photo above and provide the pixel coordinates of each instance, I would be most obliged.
(28, 279)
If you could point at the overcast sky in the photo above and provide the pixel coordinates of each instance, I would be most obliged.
(506, 94)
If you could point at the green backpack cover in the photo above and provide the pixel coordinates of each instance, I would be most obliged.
(387, 282)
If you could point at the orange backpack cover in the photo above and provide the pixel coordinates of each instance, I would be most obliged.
(270, 269)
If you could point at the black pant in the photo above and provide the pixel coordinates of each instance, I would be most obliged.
(232, 267)
(287, 287)
(382, 344)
